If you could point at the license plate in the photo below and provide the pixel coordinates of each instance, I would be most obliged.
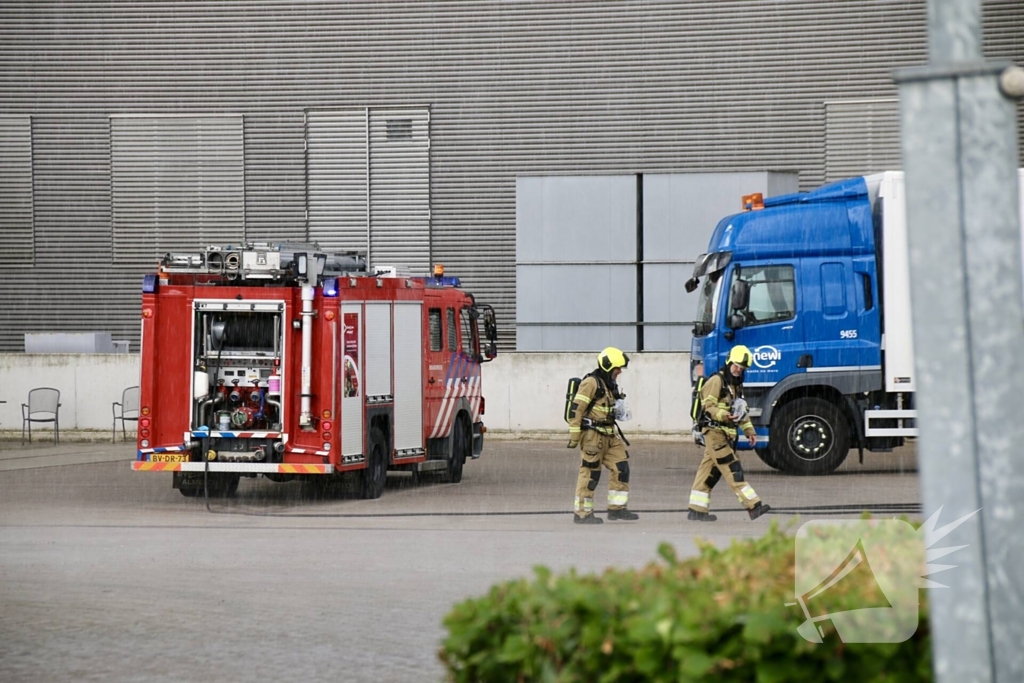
(168, 457)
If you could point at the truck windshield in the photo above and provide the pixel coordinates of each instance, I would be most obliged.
(707, 305)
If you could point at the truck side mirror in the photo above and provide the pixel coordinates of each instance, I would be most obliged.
(736, 322)
(739, 295)
(490, 333)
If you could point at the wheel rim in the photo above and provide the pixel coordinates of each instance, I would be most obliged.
(810, 438)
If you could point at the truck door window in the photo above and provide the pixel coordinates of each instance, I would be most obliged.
(453, 341)
(869, 301)
(707, 305)
(469, 344)
(435, 329)
(772, 294)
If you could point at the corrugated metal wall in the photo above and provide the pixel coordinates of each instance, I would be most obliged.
(512, 88)
(177, 183)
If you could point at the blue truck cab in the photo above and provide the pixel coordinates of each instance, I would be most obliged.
(816, 284)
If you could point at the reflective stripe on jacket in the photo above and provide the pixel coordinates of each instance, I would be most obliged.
(602, 411)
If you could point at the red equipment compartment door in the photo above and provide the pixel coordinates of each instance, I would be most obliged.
(409, 380)
(351, 380)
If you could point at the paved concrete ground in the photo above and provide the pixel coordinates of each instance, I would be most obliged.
(110, 575)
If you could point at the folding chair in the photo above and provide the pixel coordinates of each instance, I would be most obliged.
(41, 401)
(125, 409)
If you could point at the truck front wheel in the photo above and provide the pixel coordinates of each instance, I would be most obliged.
(462, 448)
(809, 436)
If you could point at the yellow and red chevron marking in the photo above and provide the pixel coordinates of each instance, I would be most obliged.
(302, 469)
(156, 466)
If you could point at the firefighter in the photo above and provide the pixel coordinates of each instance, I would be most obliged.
(723, 411)
(592, 427)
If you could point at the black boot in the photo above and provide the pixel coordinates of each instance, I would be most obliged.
(695, 516)
(587, 519)
(758, 510)
(623, 514)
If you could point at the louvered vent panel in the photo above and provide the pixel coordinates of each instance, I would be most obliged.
(337, 172)
(177, 184)
(275, 177)
(72, 189)
(16, 190)
(400, 189)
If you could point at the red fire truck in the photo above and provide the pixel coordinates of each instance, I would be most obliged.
(288, 362)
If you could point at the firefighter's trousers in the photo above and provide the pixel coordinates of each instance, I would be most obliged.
(720, 462)
(608, 450)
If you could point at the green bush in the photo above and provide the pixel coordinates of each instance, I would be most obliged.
(721, 616)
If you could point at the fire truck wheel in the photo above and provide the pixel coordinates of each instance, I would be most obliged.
(376, 472)
(461, 445)
(228, 486)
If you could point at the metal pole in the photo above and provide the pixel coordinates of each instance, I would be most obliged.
(960, 158)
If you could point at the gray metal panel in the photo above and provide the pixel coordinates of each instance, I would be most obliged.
(408, 375)
(666, 301)
(337, 177)
(352, 406)
(782, 183)
(575, 337)
(400, 189)
(576, 293)
(575, 218)
(177, 183)
(378, 349)
(275, 177)
(861, 137)
(568, 229)
(16, 190)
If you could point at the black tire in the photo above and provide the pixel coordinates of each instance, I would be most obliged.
(462, 445)
(376, 472)
(769, 458)
(809, 436)
(189, 492)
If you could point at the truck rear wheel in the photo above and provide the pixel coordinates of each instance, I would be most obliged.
(809, 436)
(462, 446)
(376, 472)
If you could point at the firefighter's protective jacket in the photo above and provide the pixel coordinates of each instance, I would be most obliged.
(601, 414)
(717, 404)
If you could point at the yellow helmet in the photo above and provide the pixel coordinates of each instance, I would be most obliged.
(612, 358)
(740, 355)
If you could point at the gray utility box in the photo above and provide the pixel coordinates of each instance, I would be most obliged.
(73, 342)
